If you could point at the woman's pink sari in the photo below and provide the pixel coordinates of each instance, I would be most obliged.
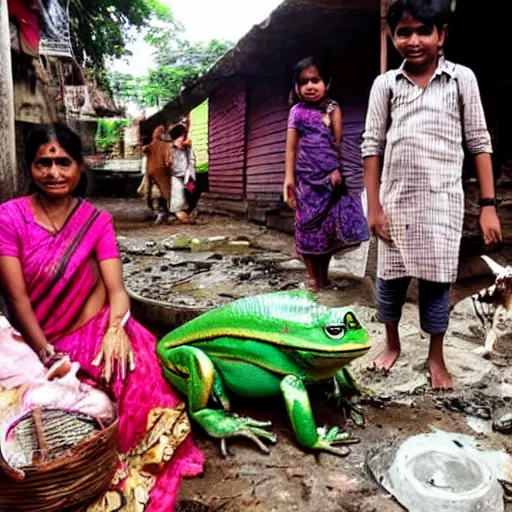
(60, 273)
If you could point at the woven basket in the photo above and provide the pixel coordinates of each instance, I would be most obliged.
(73, 479)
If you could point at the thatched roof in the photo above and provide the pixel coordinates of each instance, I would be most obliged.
(103, 104)
(272, 47)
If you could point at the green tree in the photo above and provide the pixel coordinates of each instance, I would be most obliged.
(102, 28)
(173, 50)
(180, 64)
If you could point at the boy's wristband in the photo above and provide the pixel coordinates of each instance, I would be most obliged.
(487, 201)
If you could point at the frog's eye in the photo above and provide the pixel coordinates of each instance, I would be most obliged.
(351, 321)
(335, 331)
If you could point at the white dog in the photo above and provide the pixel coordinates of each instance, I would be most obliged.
(494, 303)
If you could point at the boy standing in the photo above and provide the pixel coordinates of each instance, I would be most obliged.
(418, 118)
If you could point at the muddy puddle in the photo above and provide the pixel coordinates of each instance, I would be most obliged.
(189, 274)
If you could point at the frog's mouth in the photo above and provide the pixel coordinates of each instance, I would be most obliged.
(347, 349)
(349, 352)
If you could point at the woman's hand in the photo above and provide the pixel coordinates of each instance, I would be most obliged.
(490, 225)
(379, 223)
(49, 356)
(115, 355)
(289, 193)
(335, 178)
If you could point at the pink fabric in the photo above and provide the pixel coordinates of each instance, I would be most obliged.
(60, 271)
(70, 394)
(19, 364)
(142, 391)
(26, 13)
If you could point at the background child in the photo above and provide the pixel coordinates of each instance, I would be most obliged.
(417, 119)
(158, 172)
(328, 218)
(183, 172)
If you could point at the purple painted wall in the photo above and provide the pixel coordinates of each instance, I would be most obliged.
(266, 139)
(226, 128)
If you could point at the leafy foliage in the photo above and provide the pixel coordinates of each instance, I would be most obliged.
(102, 28)
(180, 64)
(110, 133)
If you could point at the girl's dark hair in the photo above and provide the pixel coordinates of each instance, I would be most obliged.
(177, 131)
(303, 64)
(433, 13)
(66, 138)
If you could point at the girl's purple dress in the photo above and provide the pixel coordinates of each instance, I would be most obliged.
(326, 219)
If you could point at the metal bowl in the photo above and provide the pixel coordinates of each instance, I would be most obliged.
(442, 471)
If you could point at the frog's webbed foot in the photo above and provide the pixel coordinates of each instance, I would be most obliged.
(330, 439)
(223, 425)
(252, 430)
(300, 413)
(352, 411)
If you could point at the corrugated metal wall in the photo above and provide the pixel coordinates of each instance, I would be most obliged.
(266, 140)
(227, 128)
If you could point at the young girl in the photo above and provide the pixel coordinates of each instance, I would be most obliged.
(328, 218)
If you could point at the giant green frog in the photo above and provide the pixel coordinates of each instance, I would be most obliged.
(265, 346)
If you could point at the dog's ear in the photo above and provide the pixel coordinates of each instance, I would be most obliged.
(496, 268)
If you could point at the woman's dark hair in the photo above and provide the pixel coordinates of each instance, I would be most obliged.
(433, 13)
(303, 64)
(56, 132)
(177, 131)
(66, 138)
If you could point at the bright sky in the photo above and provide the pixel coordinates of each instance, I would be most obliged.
(204, 20)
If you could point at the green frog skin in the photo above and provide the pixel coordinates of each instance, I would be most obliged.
(269, 345)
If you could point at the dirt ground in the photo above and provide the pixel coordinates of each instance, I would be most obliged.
(291, 479)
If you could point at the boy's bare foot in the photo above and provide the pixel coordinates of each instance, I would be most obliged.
(439, 376)
(385, 361)
(310, 285)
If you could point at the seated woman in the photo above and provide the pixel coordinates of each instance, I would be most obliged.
(62, 277)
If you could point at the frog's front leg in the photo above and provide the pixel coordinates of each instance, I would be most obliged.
(192, 372)
(299, 410)
(346, 387)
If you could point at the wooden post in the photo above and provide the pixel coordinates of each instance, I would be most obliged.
(383, 37)
(8, 167)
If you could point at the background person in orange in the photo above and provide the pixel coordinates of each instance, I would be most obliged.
(159, 164)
